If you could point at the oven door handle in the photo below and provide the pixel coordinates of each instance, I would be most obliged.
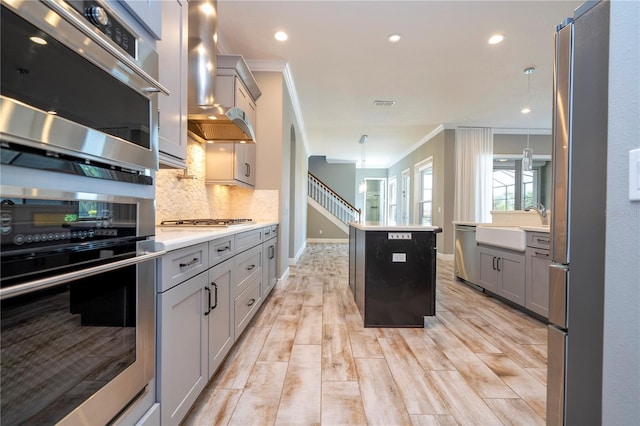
(43, 283)
(88, 31)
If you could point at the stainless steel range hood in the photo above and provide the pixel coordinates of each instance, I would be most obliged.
(207, 120)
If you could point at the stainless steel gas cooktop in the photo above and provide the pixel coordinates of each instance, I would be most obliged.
(207, 222)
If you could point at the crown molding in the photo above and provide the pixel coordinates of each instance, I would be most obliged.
(282, 66)
(520, 131)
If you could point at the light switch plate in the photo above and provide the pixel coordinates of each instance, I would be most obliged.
(634, 175)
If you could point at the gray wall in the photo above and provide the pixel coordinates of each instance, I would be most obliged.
(283, 168)
(337, 176)
(320, 227)
(621, 358)
(442, 148)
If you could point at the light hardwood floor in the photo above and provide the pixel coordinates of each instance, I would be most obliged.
(306, 359)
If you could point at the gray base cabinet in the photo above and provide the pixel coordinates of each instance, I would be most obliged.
(537, 281)
(269, 264)
(207, 295)
(220, 325)
(183, 366)
(503, 272)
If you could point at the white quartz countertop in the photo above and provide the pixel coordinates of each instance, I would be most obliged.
(176, 237)
(377, 226)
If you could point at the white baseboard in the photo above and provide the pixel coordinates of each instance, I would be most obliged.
(293, 261)
(328, 240)
(285, 276)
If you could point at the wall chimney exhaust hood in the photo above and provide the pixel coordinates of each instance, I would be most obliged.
(207, 120)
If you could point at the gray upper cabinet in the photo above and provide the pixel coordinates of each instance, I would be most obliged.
(172, 109)
(231, 164)
(149, 14)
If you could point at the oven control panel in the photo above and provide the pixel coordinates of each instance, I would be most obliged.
(48, 223)
(102, 19)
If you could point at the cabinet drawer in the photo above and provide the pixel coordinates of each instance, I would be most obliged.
(538, 239)
(246, 305)
(180, 265)
(248, 265)
(269, 232)
(221, 250)
(248, 239)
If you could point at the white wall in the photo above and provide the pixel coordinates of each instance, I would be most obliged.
(621, 358)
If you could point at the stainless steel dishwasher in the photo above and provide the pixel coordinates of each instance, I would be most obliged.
(466, 252)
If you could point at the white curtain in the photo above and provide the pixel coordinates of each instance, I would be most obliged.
(474, 174)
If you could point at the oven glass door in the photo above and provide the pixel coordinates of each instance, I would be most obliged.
(63, 344)
(45, 74)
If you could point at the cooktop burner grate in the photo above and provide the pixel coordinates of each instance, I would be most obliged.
(206, 222)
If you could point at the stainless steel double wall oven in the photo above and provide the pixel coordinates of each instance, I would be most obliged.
(78, 140)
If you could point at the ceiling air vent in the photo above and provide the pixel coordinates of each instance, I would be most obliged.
(384, 104)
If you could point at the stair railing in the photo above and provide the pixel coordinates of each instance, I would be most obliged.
(334, 203)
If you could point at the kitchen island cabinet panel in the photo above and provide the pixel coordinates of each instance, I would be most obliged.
(183, 351)
(395, 274)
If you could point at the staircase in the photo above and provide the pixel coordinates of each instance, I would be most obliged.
(332, 205)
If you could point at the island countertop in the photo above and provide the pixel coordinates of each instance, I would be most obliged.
(381, 226)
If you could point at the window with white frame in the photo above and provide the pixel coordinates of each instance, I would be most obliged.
(393, 201)
(513, 187)
(405, 207)
(424, 187)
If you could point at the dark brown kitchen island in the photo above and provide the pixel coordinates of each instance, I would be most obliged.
(392, 273)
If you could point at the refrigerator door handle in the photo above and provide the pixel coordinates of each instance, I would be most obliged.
(558, 290)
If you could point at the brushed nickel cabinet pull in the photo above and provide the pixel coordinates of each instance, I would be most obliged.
(189, 263)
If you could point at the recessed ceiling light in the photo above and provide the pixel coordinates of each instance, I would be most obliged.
(496, 38)
(502, 160)
(394, 38)
(38, 40)
(525, 110)
(281, 36)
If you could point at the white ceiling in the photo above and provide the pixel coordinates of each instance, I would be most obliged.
(441, 73)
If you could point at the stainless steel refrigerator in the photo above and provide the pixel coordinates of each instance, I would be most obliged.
(576, 275)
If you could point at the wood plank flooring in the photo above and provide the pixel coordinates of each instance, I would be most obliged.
(306, 359)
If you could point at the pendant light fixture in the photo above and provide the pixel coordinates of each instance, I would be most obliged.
(362, 187)
(527, 153)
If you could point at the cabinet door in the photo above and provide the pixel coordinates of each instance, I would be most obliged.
(537, 283)
(269, 275)
(250, 161)
(487, 266)
(221, 326)
(244, 163)
(273, 263)
(511, 279)
(183, 363)
(172, 52)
